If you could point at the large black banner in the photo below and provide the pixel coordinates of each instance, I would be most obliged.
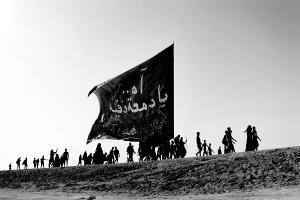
(138, 105)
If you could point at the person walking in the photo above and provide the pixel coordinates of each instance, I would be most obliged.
(249, 142)
(80, 160)
(116, 154)
(18, 162)
(231, 140)
(210, 151)
(25, 163)
(255, 139)
(42, 161)
(130, 152)
(204, 148)
(219, 151)
(199, 144)
(65, 157)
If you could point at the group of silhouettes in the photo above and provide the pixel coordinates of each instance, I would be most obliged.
(252, 139)
(54, 161)
(169, 149)
(166, 150)
(207, 149)
(228, 141)
(251, 143)
(99, 157)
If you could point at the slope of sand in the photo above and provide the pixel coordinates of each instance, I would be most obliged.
(272, 174)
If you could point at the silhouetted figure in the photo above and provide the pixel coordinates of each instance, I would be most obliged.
(18, 162)
(116, 154)
(231, 140)
(9, 167)
(130, 152)
(98, 155)
(37, 161)
(219, 151)
(80, 160)
(90, 159)
(56, 162)
(25, 163)
(34, 163)
(210, 151)
(112, 157)
(172, 149)
(199, 144)
(65, 157)
(181, 148)
(225, 142)
(204, 145)
(153, 153)
(255, 139)
(62, 160)
(84, 157)
(249, 141)
(51, 159)
(159, 152)
(176, 141)
(165, 149)
(144, 151)
(42, 161)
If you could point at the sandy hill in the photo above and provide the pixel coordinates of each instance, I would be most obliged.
(211, 174)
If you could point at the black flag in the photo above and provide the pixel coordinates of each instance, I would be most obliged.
(138, 105)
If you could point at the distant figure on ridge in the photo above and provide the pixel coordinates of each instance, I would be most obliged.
(51, 159)
(80, 160)
(42, 162)
(56, 162)
(225, 142)
(249, 142)
(181, 148)
(18, 162)
(98, 155)
(172, 150)
(37, 161)
(130, 152)
(199, 144)
(62, 160)
(210, 151)
(25, 163)
(84, 157)
(65, 157)
(9, 167)
(90, 159)
(34, 163)
(111, 159)
(231, 140)
(255, 137)
(176, 141)
(204, 145)
(116, 154)
(219, 151)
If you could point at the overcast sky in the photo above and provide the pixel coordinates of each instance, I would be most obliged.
(236, 63)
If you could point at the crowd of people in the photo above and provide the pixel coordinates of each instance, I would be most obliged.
(99, 157)
(175, 148)
(57, 161)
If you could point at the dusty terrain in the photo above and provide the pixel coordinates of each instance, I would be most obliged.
(268, 174)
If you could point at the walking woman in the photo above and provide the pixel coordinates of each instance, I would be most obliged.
(231, 140)
(249, 142)
(255, 137)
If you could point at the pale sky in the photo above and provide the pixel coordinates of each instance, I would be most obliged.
(236, 63)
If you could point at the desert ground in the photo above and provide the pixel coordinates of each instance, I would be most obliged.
(267, 174)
